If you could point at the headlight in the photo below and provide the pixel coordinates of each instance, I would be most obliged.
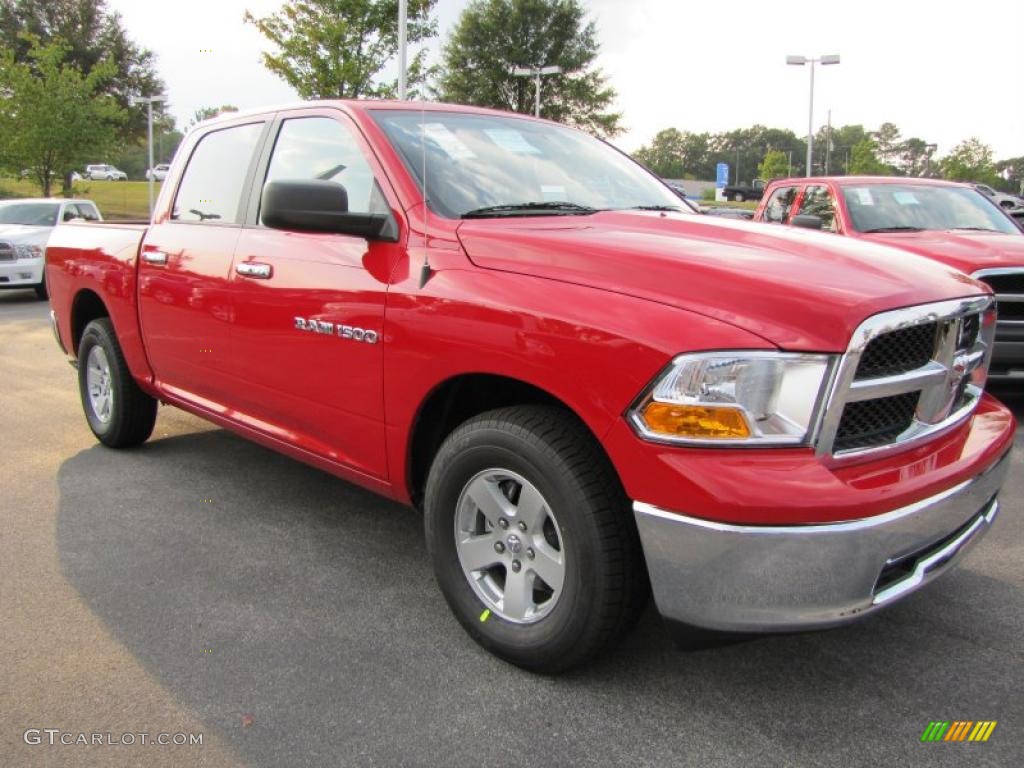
(756, 398)
(27, 252)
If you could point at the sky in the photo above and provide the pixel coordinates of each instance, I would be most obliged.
(939, 70)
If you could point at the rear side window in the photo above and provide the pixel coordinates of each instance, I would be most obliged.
(818, 202)
(779, 205)
(322, 148)
(211, 187)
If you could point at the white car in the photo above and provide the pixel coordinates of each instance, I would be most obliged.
(108, 172)
(1004, 201)
(159, 172)
(25, 228)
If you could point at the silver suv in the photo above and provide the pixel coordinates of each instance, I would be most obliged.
(108, 172)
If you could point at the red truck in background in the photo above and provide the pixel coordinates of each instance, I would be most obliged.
(591, 392)
(942, 220)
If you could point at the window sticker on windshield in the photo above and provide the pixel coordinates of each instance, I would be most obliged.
(863, 195)
(511, 140)
(448, 141)
(552, 192)
(905, 198)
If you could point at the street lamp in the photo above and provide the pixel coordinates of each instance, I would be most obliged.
(535, 73)
(799, 61)
(149, 101)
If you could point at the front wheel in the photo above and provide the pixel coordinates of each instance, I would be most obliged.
(41, 292)
(531, 538)
(739, 197)
(119, 413)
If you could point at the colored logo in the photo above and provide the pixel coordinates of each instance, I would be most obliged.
(958, 730)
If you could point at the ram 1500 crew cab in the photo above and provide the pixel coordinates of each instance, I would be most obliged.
(590, 390)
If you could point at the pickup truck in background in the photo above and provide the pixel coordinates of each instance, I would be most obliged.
(942, 220)
(590, 391)
(25, 227)
(739, 193)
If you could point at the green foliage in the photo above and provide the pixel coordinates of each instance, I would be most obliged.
(708, 194)
(774, 166)
(864, 160)
(90, 34)
(494, 36)
(665, 154)
(55, 118)
(970, 160)
(335, 49)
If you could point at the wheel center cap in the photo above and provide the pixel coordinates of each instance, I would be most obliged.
(515, 546)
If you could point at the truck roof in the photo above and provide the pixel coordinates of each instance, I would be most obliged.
(851, 180)
(365, 105)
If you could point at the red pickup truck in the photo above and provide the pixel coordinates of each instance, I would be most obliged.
(942, 220)
(590, 391)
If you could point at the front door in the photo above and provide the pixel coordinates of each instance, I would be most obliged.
(309, 307)
(185, 308)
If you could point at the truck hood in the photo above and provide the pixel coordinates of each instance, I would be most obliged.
(966, 251)
(799, 289)
(22, 234)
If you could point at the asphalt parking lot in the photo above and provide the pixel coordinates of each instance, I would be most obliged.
(203, 584)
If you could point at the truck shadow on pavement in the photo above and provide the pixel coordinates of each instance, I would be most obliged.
(250, 584)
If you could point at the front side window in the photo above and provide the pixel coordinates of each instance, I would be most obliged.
(777, 209)
(470, 163)
(211, 188)
(818, 202)
(323, 149)
(915, 207)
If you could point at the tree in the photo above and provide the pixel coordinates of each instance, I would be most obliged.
(774, 166)
(665, 154)
(887, 143)
(914, 156)
(970, 160)
(493, 36)
(54, 117)
(89, 34)
(335, 49)
(864, 159)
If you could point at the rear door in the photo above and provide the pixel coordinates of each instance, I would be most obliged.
(185, 263)
(309, 316)
(780, 204)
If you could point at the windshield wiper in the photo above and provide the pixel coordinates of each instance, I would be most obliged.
(973, 229)
(654, 208)
(894, 229)
(554, 208)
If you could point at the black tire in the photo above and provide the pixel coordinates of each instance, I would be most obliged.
(605, 584)
(739, 197)
(133, 412)
(41, 291)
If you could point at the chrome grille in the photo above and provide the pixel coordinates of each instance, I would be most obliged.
(1008, 285)
(6, 251)
(907, 374)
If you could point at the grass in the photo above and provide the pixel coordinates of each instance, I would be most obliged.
(115, 199)
(750, 205)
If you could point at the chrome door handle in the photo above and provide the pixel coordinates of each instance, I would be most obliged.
(251, 269)
(154, 257)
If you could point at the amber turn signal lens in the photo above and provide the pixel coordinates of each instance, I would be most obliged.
(699, 421)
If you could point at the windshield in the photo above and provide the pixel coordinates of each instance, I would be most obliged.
(480, 162)
(912, 208)
(33, 214)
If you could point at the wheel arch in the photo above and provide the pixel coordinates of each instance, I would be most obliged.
(86, 307)
(459, 398)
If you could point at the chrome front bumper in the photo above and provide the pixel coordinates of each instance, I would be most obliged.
(743, 578)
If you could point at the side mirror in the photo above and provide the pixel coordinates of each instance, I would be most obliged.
(320, 206)
(807, 221)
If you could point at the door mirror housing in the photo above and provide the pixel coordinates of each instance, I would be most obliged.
(311, 205)
(807, 221)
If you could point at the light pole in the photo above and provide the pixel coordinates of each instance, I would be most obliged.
(535, 73)
(149, 101)
(799, 61)
(402, 23)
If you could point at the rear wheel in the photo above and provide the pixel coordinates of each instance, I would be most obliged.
(119, 413)
(531, 538)
(739, 197)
